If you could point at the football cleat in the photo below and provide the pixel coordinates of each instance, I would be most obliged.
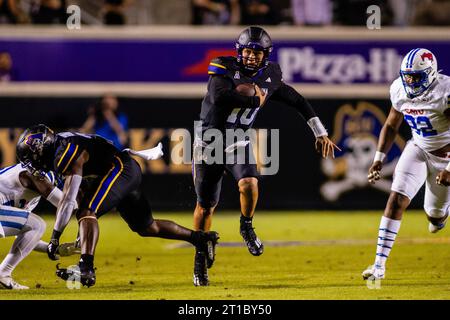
(433, 228)
(66, 273)
(212, 239)
(68, 249)
(254, 245)
(9, 284)
(87, 277)
(374, 272)
(200, 270)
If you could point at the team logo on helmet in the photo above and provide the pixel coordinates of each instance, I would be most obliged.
(35, 141)
(427, 55)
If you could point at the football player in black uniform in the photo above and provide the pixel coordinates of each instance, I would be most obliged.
(224, 108)
(114, 182)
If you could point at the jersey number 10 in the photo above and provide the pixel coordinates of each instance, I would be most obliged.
(245, 118)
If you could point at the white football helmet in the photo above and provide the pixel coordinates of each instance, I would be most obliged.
(418, 71)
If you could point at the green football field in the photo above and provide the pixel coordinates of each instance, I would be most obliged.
(308, 255)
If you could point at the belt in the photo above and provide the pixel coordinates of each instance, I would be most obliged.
(442, 152)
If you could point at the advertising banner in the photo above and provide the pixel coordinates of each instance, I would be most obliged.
(181, 61)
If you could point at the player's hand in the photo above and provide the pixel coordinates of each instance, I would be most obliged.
(52, 249)
(325, 146)
(443, 178)
(374, 172)
(261, 94)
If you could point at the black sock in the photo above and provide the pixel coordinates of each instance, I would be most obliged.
(197, 237)
(245, 220)
(86, 261)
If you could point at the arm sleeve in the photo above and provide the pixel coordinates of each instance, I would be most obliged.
(288, 95)
(223, 94)
(68, 203)
(55, 196)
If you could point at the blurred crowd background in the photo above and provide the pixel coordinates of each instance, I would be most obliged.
(227, 12)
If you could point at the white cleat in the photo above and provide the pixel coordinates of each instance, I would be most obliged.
(9, 284)
(69, 249)
(435, 228)
(374, 272)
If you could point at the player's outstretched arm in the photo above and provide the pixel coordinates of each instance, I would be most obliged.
(68, 203)
(385, 141)
(288, 95)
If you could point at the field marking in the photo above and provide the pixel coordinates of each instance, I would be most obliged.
(339, 242)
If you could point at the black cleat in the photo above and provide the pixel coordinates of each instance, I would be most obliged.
(87, 277)
(200, 270)
(65, 273)
(211, 243)
(207, 245)
(254, 245)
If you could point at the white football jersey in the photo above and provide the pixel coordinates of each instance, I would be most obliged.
(425, 113)
(13, 194)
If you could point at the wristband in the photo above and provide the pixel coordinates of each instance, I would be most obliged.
(379, 156)
(317, 127)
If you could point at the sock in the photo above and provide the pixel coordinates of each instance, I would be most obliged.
(197, 238)
(245, 220)
(6, 268)
(86, 261)
(386, 236)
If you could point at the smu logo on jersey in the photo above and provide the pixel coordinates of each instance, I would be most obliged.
(35, 141)
(414, 112)
(356, 131)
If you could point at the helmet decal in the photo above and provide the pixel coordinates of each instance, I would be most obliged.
(35, 141)
(427, 55)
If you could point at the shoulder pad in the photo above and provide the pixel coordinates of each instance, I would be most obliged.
(65, 155)
(220, 65)
(275, 67)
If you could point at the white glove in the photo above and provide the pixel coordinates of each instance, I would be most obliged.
(148, 154)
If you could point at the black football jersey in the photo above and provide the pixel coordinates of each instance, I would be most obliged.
(70, 145)
(238, 111)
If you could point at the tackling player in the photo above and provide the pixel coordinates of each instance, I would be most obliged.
(20, 193)
(420, 96)
(116, 183)
(223, 108)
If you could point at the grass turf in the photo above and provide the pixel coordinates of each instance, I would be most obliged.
(131, 267)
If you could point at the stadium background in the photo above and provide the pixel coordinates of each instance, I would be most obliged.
(159, 75)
